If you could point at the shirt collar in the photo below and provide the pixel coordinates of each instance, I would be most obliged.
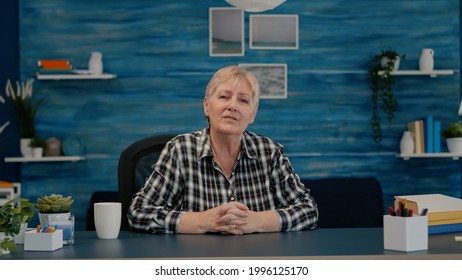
(248, 147)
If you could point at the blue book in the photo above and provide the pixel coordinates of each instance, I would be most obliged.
(428, 127)
(437, 136)
(446, 228)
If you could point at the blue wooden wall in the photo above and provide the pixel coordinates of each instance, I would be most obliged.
(160, 53)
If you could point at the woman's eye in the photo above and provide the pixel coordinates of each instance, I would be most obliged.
(245, 101)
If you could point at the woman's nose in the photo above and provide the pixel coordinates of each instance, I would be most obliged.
(232, 107)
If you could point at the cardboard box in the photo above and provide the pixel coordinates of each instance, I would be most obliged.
(405, 233)
(35, 241)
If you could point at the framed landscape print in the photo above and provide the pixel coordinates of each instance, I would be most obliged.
(226, 32)
(273, 32)
(272, 78)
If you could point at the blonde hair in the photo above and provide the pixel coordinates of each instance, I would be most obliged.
(231, 74)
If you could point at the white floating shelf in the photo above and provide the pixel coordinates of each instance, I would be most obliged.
(432, 74)
(44, 159)
(454, 156)
(75, 77)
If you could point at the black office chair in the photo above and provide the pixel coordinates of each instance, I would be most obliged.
(347, 202)
(135, 166)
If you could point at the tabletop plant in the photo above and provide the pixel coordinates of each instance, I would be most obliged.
(381, 82)
(12, 215)
(55, 203)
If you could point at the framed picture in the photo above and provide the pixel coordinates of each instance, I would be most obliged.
(226, 32)
(272, 78)
(273, 32)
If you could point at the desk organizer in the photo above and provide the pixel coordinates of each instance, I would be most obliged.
(405, 233)
(35, 241)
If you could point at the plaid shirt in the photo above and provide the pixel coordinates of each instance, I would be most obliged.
(187, 178)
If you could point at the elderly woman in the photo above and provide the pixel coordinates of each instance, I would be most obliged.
(224, 178)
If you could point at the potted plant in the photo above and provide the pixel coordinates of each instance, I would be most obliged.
(53, 205)
(13, 219)
(381, 81)
(453, 135)
(37, 145)
(26, 110)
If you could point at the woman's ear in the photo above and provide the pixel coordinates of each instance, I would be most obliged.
(206, 104)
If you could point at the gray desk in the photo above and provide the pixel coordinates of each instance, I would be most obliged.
(365, 243)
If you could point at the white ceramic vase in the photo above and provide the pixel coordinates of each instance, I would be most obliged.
(406, 145)
(24, 143)
(426, 62)
(95, 63)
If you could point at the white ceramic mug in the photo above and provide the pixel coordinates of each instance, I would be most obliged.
(107, 219)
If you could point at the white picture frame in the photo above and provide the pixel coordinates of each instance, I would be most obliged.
(226, 32)
(278, 32)
(272, 78)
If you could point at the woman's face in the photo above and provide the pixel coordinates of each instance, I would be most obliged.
(230, 108)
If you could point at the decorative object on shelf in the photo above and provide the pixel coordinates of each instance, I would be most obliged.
(37, 145)
(95, 63)
(13, 216)
(426, 62)
(406, 145)
(55, 208)
(382, 97)
(73, 146)
(453, 135)
(24, 146)
(255, 5)
(54, 66)
(26, 108)
(53, 147)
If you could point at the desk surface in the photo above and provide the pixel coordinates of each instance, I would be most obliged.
(357, 243)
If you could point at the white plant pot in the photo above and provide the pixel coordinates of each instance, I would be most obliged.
(396, 62)
(37, 152)
(24, 143)
(43, 217)
(19, 238)
(454, 145)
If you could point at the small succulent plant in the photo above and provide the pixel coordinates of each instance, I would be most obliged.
(54, 203)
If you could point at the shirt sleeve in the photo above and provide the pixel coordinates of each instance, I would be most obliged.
(156, 207)
(297, 209)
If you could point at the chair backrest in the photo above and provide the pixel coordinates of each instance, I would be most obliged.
(347, 202)
(135, 166)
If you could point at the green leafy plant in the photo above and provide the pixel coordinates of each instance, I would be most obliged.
(55, 203)
(454, 130)
(12, 215)
(382, 99)
(37, 143)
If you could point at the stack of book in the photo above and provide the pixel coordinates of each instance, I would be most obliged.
(444, 212)
(54, 66)
(427, 135)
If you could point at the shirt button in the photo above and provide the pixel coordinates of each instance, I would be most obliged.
(231, 198)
